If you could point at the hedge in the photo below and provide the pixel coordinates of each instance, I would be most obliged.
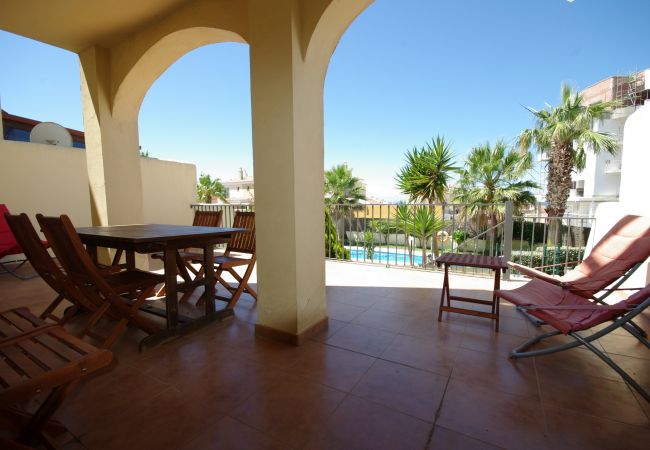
(549, 257)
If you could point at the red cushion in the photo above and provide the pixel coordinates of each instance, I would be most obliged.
(8, 244)
(541, 293)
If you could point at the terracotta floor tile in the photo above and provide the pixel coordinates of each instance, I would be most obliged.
(426, 325)
(231, 434)
(501, 344)
(381, 320)
(163, 422)
(625, 345)
(446, 439)
(333, 326)
(343, 311)
(332, 366)
(362, 339)
(350, 296)
(591, 395)
(504, 420)
(569, 429)
(363, 425)
(425, 354)
(408, 390)
(637, 368)
(290, 411)
(404, 306)
(496, 372)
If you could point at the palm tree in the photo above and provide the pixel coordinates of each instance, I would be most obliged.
(492, 176)
(426, 175)
(343, 192)
(207, 189)
(563, 133)
(419, 222)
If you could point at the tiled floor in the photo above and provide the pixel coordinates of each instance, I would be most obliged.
(385, 375)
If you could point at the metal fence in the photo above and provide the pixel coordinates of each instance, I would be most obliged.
(413, 235)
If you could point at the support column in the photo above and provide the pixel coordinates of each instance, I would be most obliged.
(287, 110)
(112, 150)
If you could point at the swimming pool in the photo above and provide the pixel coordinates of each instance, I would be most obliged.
(384, 256)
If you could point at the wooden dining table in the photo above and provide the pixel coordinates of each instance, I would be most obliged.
(168, 239)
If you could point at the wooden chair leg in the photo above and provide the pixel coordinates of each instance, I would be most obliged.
(31, 434)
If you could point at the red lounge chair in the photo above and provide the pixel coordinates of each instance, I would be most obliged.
(612, 260)
(570, 313)
(9, 246)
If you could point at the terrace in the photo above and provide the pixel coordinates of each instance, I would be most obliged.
(385, 374)
(376, 369)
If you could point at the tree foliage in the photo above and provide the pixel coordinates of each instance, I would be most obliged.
(565, 133)
(207, 189)
(494, 175)
(428, 170)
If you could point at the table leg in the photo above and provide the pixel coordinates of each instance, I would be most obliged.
(171, 298)
(92, 251)
(445, 290)
(495, 297)
(208, 264)
(130, 259)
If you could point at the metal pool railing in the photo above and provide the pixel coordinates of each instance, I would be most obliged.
(412, 235)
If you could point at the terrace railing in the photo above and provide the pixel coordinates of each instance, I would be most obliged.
(405, 235)
(410, 235)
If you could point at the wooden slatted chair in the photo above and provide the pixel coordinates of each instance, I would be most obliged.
(44, 265)
(9, 246)
(201, 219)
(41, 360)
(240, 244)
(106, 292)
(17, 321)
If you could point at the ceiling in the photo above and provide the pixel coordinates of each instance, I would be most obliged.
(77, 24)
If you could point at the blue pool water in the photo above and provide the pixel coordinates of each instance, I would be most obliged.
(357, 254)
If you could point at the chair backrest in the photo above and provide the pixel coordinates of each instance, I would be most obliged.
(77, 263)
(621, 248)
(33, 248)
(243, 242)
(207, 218)
(8, 243)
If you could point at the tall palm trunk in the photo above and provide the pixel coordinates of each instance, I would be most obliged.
(434, 239)
(560, 166)
(493, 234)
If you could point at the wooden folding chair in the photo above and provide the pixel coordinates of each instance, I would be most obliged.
(43, 359)
(105, 292)
(17, 321)
(48, 270)
(10, 246)
(240, 244)
(185, 257)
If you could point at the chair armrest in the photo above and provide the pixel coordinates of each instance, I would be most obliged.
(534, 273)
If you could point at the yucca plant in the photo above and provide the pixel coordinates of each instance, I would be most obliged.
(426, 175)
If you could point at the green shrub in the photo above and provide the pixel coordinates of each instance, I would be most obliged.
(554, 258)
(333, 246)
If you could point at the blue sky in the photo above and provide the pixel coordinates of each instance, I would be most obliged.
(403, 72)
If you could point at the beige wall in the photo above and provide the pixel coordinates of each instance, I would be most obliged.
(168, 190)
(39, 178)
(54, 180)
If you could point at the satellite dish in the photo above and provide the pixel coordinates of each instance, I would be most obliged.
(50, 133)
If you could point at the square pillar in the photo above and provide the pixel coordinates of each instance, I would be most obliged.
(112, 150)
(287, 110)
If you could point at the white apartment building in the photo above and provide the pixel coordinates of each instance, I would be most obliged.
(600, 180)
(241, 190)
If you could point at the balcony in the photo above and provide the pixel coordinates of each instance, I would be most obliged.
(386, 374)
